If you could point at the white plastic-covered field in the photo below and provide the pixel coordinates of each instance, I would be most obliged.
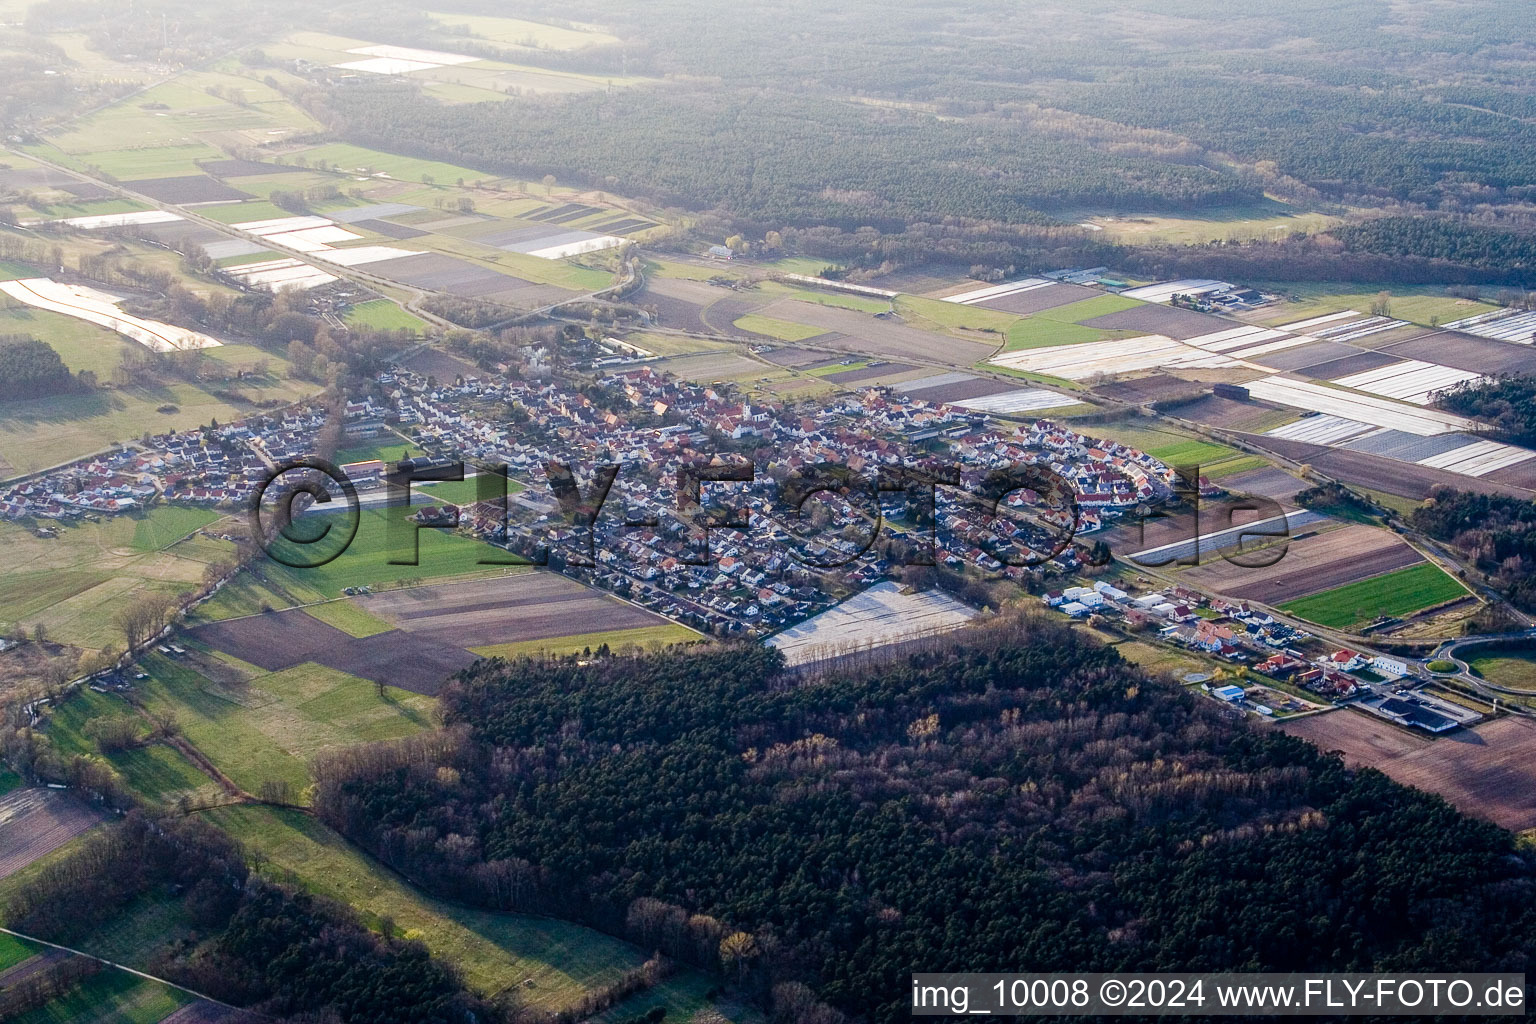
(1501, 324)
(883, 614)
(99, 308)
(385, 59)
(1408, 381)
(1322, 430)
(120, 220)
(1479, 458)
(594, 244)
(1089, 359)
(997, 291)
(1379, 412)
(281, 274)
(1165, 291)
(1028, 400)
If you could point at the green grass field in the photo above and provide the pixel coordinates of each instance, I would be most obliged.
(43, 432)
(1514, 669)
(76, 583)
(1395, 593)
(404, 168)
(13, 951)
(1191, 453)
(269, 726)
(1063, 325)
(382, 314)
(366, 561)
(167, 524)
(784, 330)
(1417, 304)
(648, 637)
(349, 617)
(243, 212)
(82, 346)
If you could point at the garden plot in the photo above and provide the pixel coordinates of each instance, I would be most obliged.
(1501, 324)
(1409, 381)
(1080, 362)
(881, 615)
(35, 822)
(1378, 412)
(99, 308)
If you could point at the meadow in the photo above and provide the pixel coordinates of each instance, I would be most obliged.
(1395, 593)
(258, 727)
(75, 584)
(381, 314)
(648, 637)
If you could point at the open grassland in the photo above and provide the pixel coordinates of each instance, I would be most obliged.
(780, 329)
(349, 617)
(1266, 219)
(1417, 304)
(357, 159)
(261, 727)
(521, 33)
(43, 432)
(1395, 593)
(82, 346)
(1062, 326)
(367, 560)
(75, 584)
(382, 314)
(647, 637)
(1514, 669)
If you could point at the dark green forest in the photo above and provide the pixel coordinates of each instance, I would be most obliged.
(32, 369)
(1013, 798)
(1508, 401)
(1498, 532)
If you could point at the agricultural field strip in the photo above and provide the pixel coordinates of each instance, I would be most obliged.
(1479, 459)
(99, 308)
(1501, 325)
(882, 614)
(35, 822)
(998, 291)
(116, 220)
(1380, 412)
(1327, 430)
(1028, 400)
(1165, 291)
(1079, 362)
(1317, 321)
(1408, 381)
